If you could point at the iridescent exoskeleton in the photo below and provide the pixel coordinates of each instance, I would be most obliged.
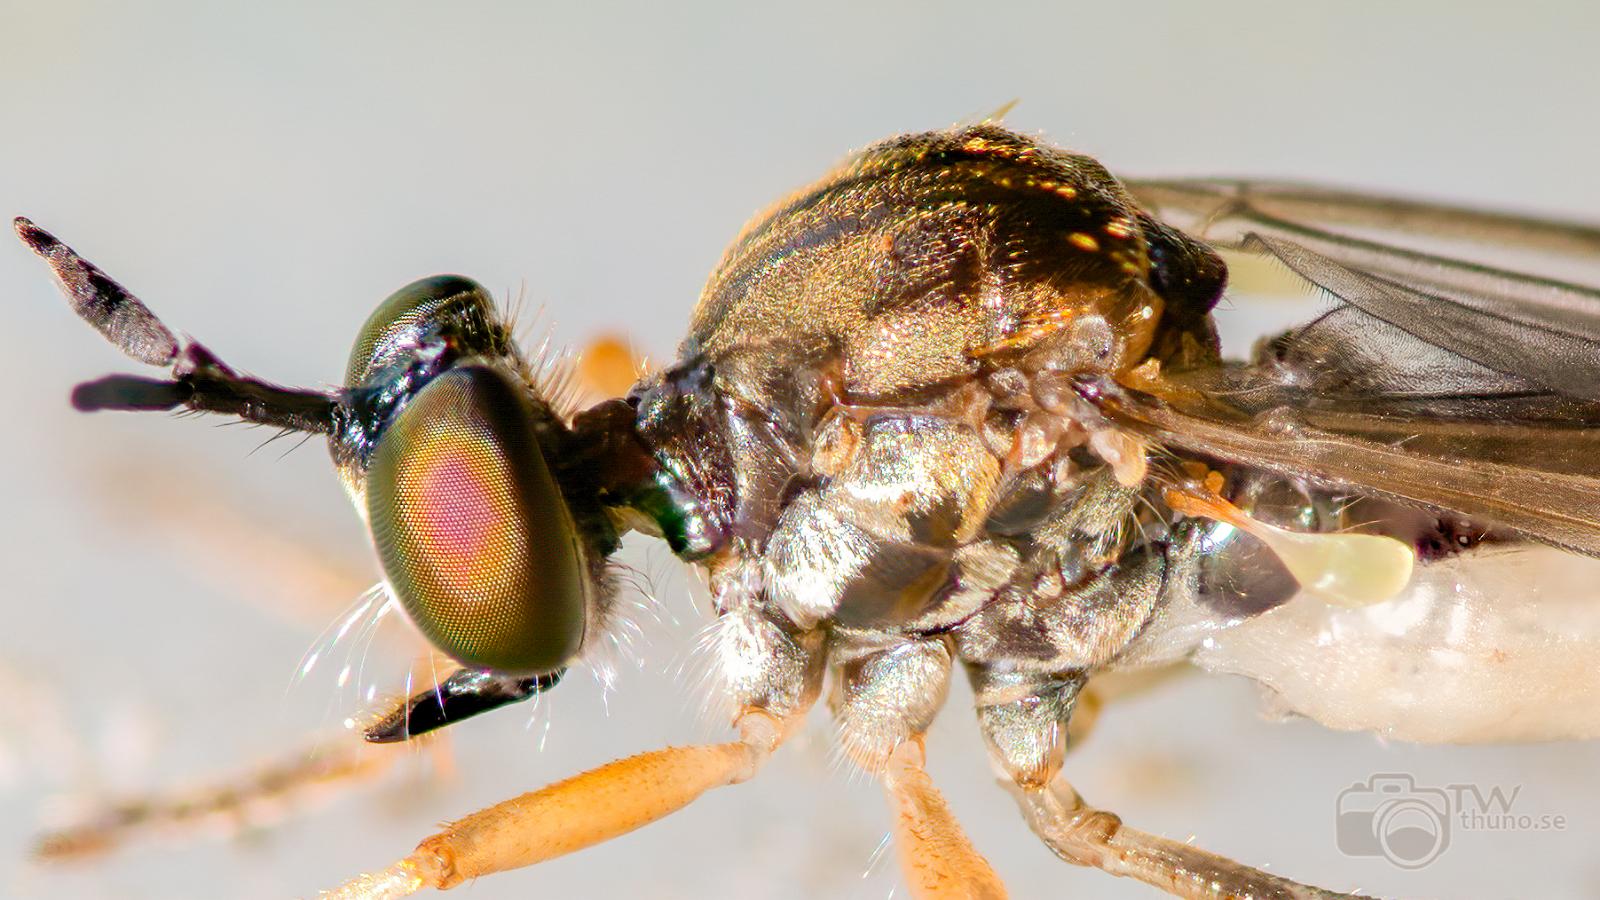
(962, 404)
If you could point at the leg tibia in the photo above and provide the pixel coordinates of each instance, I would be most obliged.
(885, 697)
(1081, 834)
(1025, 718)
(938, 861)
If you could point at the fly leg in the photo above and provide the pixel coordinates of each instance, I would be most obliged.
(1081, 834)
(220, 542)
(770, 670)
(607, 368)
(250, 799)
(1111, 687)
(579, 812)
(937, 859)
(1024, 720)
(300, 779)
(1086, 709)
(884, 699)
(217, 533)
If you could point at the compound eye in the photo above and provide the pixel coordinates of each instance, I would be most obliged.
(474, 534)
(409, 314)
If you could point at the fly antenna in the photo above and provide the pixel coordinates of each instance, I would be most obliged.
(200, 381)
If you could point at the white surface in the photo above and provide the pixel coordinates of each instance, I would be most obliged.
(263, 175)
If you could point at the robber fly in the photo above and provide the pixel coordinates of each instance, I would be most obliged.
(962, 403)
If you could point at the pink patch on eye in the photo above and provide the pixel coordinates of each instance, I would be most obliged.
(460, 510)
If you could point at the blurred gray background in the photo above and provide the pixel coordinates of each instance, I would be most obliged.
(263, 174)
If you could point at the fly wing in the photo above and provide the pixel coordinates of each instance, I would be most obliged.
(1468, 239)
(1552, 497)
(1437, 380)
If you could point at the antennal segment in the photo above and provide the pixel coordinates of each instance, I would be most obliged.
(200, 381)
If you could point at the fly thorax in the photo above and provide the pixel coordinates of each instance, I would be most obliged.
(732, 437)
(1095, 570)
(891, 531)
(914, 516)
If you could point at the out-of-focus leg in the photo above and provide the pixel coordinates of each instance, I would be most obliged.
(298, 780)
(217, 532)
(1111, 687)
(253, 798)
(608, 368)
